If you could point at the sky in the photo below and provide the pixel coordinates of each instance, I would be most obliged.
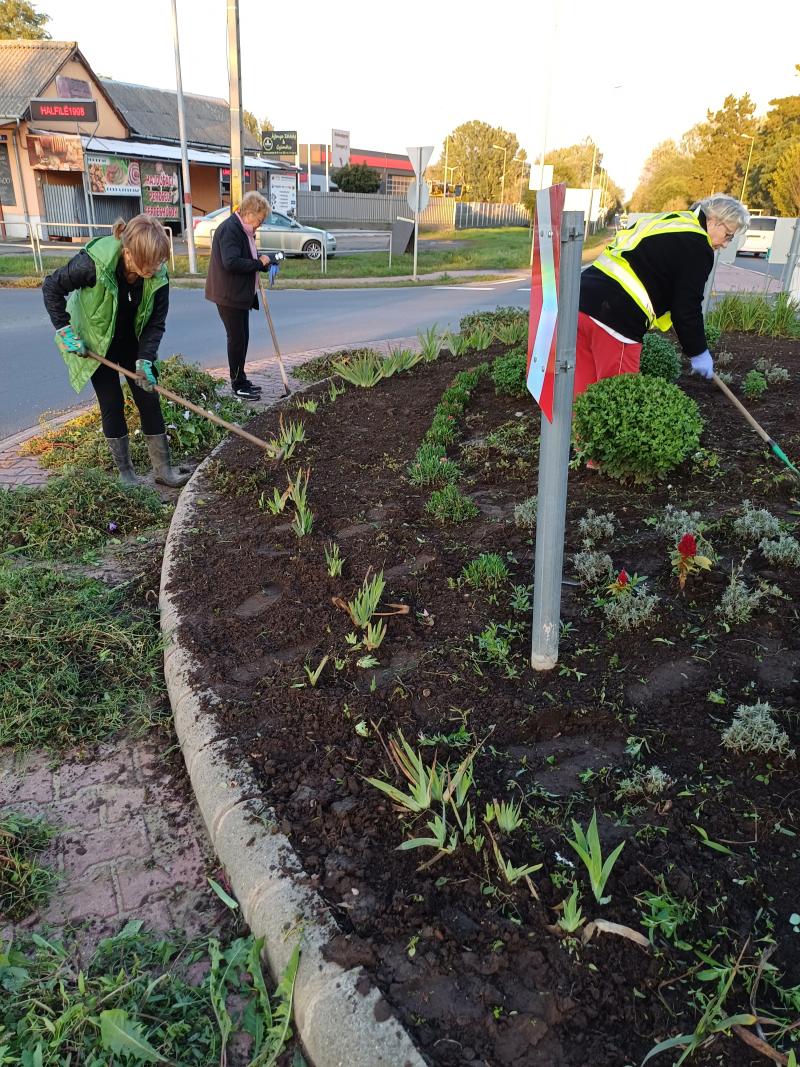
(553, 72)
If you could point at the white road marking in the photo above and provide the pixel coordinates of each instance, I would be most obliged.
(524, 289)
(470, 288)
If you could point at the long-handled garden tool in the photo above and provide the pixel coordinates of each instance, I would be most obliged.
(141, 379)
(286, 390)
(762, 433)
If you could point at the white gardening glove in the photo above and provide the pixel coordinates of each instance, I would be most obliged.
(703, 365)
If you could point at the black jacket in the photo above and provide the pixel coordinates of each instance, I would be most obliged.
(674, 269)
(81, 273)
(232, 268)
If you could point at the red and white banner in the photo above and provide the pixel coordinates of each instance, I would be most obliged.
(542, 328)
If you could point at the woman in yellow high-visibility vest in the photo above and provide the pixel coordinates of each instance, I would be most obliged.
(652, 275)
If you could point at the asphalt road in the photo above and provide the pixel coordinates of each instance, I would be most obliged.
(33, 379)
(759, 265)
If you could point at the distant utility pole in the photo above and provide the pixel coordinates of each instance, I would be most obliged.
(591, 192)
(235, 91)
(187, 184)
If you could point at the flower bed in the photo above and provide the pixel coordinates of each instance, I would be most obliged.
(368, 642)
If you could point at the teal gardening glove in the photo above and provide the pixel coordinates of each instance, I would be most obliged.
(146, 369)
(68, 342)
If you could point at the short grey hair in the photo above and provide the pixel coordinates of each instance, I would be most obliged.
(726, 209)
(254, 204)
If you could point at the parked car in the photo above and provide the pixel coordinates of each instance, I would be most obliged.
(278, 233)
(759, 237)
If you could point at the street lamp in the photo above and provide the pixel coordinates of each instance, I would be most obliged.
(752, 139)
(504, 150)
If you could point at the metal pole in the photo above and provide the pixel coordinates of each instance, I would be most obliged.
(235, 90)
(416, 221)
(554, 456)
(747, 168)
(446, 156)
(327, 169)
(591, 193)
(791, 259)
(187, 184)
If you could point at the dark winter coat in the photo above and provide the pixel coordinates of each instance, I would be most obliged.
(674, 269)
(232, 269)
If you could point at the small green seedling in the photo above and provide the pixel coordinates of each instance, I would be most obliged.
(374, 635)
(511, 873)
(276, 505)
(486, 571)
(571, 912)
(313, 675)
(588, 847)
(333, 560)
(507, 814)
(365, 603)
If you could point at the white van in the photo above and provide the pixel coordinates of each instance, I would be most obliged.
(758, 239)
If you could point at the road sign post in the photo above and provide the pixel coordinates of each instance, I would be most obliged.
(419, 161)
(555, 289)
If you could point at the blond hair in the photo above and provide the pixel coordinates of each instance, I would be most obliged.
(146, 240)
(254, 204)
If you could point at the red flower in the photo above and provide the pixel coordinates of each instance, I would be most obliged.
(623, 578)
(687, 546)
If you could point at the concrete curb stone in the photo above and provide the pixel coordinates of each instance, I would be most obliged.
(336, 1011)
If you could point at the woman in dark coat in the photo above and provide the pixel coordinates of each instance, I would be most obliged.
(232, 283)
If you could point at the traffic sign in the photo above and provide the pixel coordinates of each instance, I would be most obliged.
(419, 158)
(542, 332)
(424, 196)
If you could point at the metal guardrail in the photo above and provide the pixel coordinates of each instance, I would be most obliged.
(43, 242)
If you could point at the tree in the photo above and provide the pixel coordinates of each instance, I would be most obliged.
(251, 123)
(573, 164)
(723, 146)
(474, 162)
(778, 131)
(785, 182)
(18, 18)
(357, 178)
(667, 183)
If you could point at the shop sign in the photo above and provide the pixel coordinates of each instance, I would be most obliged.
(57, 151)
(113, 176)
(160, 191)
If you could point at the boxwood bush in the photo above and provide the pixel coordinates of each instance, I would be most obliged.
(508, 372)
(636, 427)
(660, 358)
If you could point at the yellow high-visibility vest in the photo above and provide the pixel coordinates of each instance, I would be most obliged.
(613, 263)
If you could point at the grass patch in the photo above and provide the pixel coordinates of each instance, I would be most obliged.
(78, 511)
(77, 663)
(134, 1000)
(80, 442)
(752, 313)
(24, 267)
(25, 884)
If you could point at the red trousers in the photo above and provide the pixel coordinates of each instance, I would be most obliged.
(599, 355)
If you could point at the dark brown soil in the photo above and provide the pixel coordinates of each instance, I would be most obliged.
(471, 965)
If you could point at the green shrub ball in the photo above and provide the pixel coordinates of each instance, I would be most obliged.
(636, 427)
(660, 358)
(509, 372)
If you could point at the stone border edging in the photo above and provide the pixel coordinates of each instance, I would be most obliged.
(341, 1019)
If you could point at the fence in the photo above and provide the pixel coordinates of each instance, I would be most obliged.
(40, 233)
(375, 209)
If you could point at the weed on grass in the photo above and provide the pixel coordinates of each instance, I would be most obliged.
(25, 884)
(486, 571)
(73, 513)
(76, 662)
(450, 505)
(134, 1000)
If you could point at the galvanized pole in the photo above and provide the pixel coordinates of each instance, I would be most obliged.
(416, 220)
(235, 90)
(591, 193)
(446, 168)
(554, 456)
(187, 184)
(791, 259)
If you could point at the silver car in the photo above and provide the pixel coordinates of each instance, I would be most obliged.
(278, 233)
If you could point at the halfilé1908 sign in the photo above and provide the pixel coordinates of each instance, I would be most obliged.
(63, 111)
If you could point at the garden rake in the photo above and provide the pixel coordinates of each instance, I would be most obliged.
(762, 433)
(140, 376)
(286, 390)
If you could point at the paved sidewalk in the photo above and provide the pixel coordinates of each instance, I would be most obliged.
(17, 470)
(131, 843)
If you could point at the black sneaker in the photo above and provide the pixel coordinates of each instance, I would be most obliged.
(250, 385)
(246, 392)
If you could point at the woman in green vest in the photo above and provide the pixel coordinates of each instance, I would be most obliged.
(112, 299)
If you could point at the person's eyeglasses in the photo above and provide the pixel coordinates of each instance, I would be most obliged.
(728, 235)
